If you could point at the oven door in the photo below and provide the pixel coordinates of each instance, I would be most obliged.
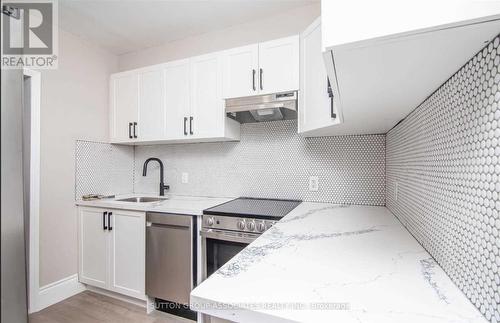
(219, 246)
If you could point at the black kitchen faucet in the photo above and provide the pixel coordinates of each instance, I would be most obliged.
(163, 187)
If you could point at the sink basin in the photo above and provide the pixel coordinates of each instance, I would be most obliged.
(142, 199)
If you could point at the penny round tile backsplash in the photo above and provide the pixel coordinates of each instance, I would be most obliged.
(273, 161)
(443, 177)
(270, 161)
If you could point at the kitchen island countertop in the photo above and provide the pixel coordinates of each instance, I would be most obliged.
(355, 263)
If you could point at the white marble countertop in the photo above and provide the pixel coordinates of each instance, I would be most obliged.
(358, 260)
(191, 205)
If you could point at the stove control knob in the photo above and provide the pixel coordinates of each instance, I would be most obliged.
(270, 224)
(251, 225)
(241, 224)
(261, 226)
(209, 221)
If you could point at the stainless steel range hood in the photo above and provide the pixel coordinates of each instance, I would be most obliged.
(260, 108)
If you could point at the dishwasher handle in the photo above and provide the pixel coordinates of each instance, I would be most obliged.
(166, 226)
(162, 219)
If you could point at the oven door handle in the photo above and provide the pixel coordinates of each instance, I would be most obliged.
(227, 236)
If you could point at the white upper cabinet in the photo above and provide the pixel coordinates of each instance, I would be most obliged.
(177, 97)
(263, 68)
(137, 106)
(317, 110)
(241, 66)
(206, 119)
(183, 101)
(179, 101)
(279, 65)
(151, 124)
(385, 58)
(124, 106)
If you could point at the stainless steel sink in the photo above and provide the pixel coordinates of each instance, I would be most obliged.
(142, 199)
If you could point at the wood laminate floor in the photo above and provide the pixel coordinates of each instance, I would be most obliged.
(89, 307)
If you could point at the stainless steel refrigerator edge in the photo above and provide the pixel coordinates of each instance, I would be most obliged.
(13, 269)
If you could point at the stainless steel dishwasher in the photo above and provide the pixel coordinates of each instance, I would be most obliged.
(171, 261)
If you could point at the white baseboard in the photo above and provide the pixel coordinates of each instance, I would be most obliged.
(125, 298)
(58, 291)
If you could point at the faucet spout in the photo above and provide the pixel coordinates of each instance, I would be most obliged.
(163, 187)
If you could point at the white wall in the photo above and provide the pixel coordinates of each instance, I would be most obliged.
(285, 24)
(74, 105)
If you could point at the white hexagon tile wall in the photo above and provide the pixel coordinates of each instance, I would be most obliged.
(101, 168)
(443, 177)
(272, 161)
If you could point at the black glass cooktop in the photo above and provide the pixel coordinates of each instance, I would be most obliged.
(254, 207)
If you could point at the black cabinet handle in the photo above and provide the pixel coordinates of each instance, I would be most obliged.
(253, 79)
(185, 126)
(260, 78)
(190, 125)
(104, 227)
(333, 115)
(130, 130)
(135, 133)
(330, 94)
(109, 221)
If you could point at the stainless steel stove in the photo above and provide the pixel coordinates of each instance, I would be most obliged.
(247, 214)
(229, 227)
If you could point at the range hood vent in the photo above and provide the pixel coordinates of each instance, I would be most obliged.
(261, 108)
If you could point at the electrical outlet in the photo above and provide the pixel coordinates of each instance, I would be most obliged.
(313, 183)
(185, 178)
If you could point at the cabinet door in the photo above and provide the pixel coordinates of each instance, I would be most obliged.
(279, 65)
(127, 253)
(124, 102)
(315, 102)
(240, 75)
(177, 98)
(207, 106)
(93, 247)
(152, 118)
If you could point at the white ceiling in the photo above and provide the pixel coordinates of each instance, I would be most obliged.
(126, 26)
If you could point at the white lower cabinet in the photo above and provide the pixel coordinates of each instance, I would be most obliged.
(112, 250)
(92, 247)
